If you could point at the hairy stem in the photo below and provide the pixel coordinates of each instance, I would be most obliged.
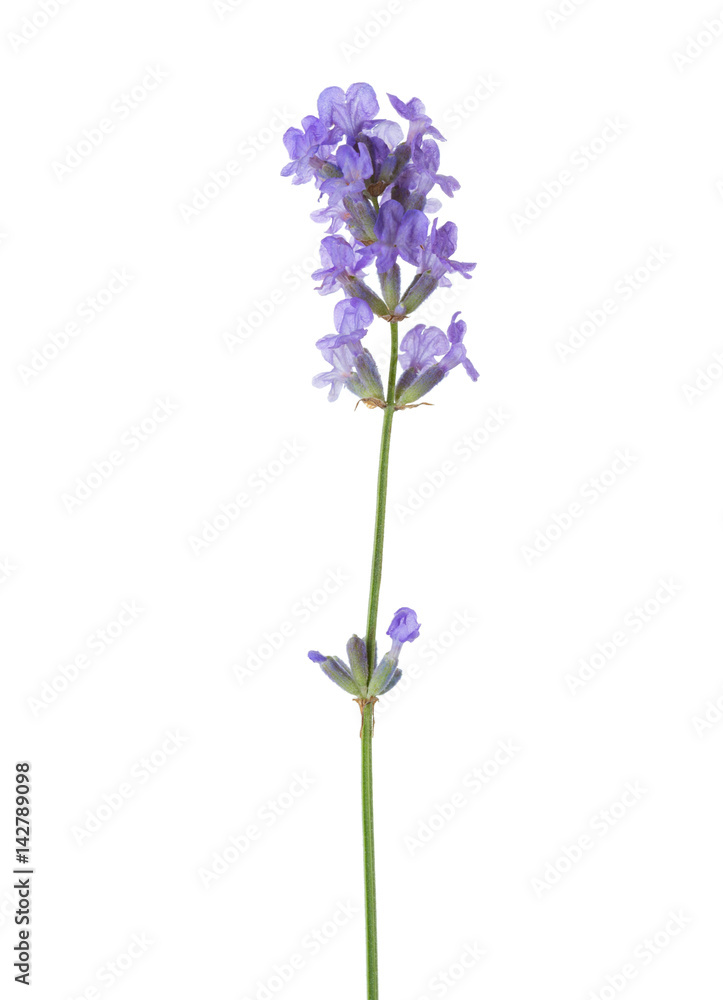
(370, 889)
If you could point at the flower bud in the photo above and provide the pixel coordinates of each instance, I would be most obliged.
(405, 380)
(395, 163)
(369, 377)
(419, 290)
(356, 650)
(421, 385)
(391, 284)
(362, 219)
(360, 290)
(382, 675)
(337, 671)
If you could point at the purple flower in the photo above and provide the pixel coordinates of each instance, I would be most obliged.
(383, 157)
(455, 334)
(423, 170)
(419, 122)
(356, 168)
(332, 341)
(398, 233)
(352, 366)
(352, 315)
(336, 215)
(340, 260)
(414, 383)
(436, 255)
(352, 318)
(314, 142)
(389, 132)
(404, 627)
(421, 346)
(352, 111)
(342, 373)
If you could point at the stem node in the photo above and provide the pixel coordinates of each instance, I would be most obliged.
(362, 703)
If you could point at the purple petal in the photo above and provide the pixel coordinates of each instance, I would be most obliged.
(456, 329)
(352, 315)
(413, 109)
(412, 234)
(390, 216)
(404, 626)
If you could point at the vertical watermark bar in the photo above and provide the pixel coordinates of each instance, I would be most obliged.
(23, 873)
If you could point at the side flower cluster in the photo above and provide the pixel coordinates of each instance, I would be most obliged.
(355, 677)
(375, 183)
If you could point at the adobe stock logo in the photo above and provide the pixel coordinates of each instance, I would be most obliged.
(446, 979)
(592, 490)
(622, 292)
(580, 160)
(104, 468)
(309, 946)
(643, 955)
(364, 34)
(699, 43)
(120, 109)
(633, 623)
(111, 802)
(710, 716)
(599, 826)
(88, 310)
(221, 178)
(225, 7)
(7, 569)
(300, 612)
(267, 816)
(96, 643)
(563, 12)
(703, 379)
(227, 513)
(31, 26)
(109, 973)
(461, 452)
(473, 782)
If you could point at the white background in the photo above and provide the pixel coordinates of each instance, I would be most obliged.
(230, 82)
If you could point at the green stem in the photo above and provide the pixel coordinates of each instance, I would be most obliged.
(370, 886)
(376, 577)
(370, 890)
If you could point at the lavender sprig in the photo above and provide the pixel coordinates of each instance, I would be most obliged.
(376, 183)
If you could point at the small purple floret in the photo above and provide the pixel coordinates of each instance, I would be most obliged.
(404, 626)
